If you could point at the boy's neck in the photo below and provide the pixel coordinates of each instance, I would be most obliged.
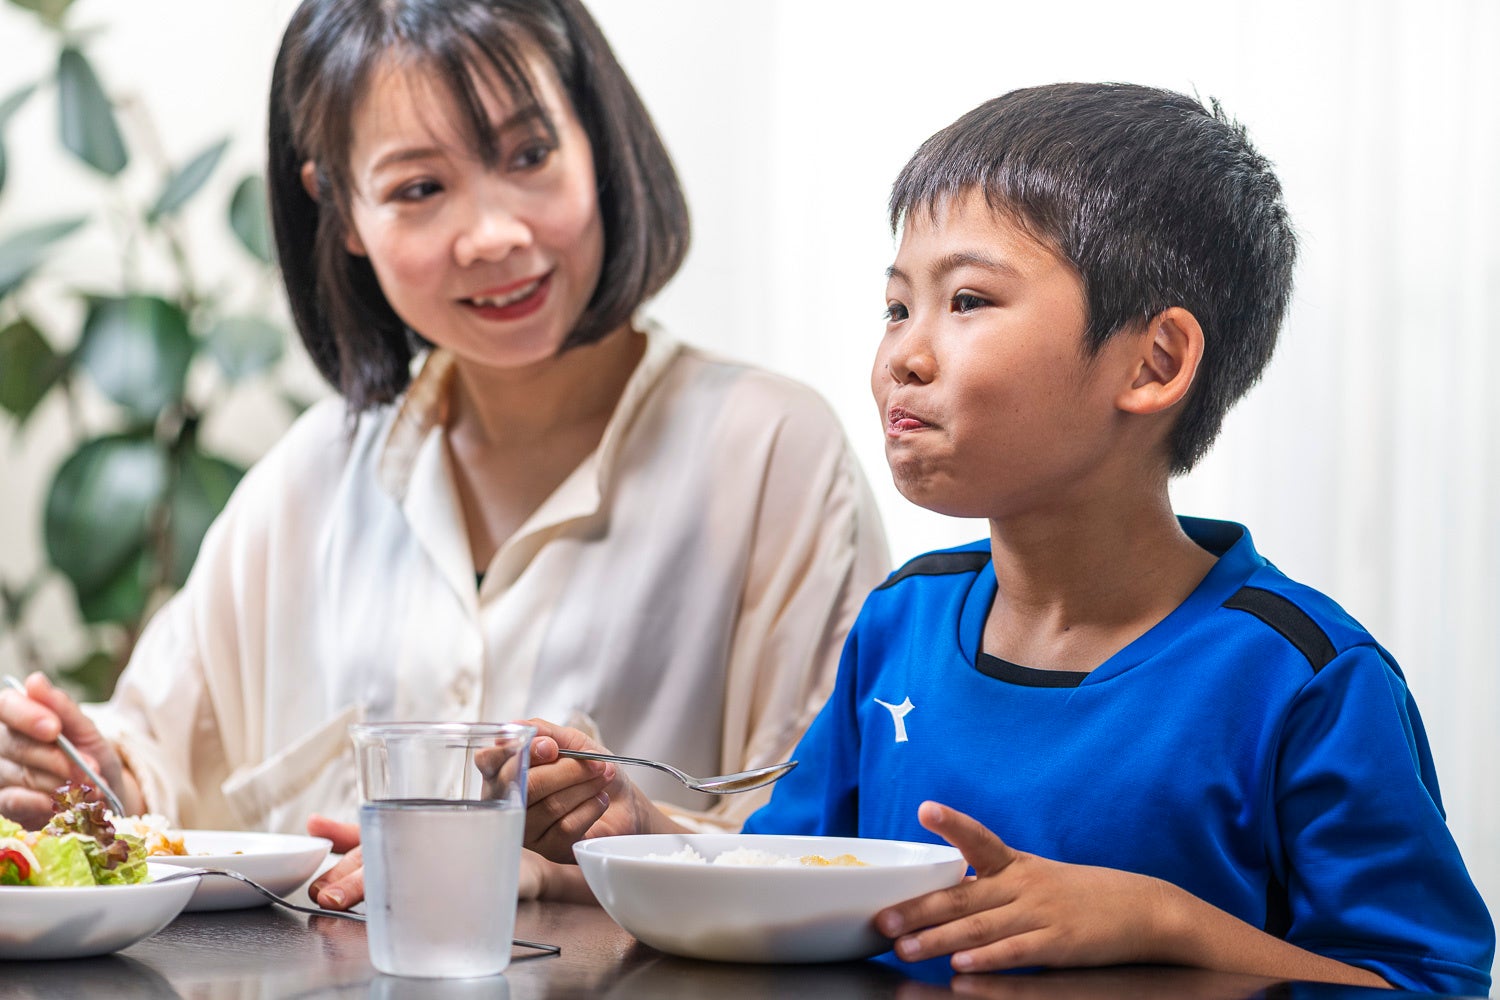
(1075, 590)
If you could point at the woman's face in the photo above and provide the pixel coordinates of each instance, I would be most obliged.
(493, 262)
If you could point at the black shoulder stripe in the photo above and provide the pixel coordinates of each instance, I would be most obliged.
(939, 564)
(1288, 619)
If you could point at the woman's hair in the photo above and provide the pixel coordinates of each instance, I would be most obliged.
(1155, 201)
(328, 56)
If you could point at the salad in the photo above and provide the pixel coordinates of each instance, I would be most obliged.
(78, 847)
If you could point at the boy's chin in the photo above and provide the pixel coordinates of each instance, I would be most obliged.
(927, 495)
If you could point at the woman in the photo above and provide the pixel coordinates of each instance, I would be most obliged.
(563, 513)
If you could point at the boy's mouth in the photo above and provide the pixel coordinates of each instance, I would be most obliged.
(900, 421)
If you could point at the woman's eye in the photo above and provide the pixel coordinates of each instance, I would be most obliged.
(895, 312)
(417, 191)
(966, 302)
(532, 155)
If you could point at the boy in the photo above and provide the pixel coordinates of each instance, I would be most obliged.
(1168, 752)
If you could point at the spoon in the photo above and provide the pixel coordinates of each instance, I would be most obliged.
(722, 784)
(66, 746)
(316, 911)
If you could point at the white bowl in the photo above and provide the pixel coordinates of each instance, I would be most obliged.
(281, 862)
(47, 922)
(760, 913)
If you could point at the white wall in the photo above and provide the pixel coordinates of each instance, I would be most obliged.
(1368, 460)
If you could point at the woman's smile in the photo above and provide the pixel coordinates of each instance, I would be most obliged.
(516, 301)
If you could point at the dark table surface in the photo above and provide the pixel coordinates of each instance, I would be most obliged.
(272, 953)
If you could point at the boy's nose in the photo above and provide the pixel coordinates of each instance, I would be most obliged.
(490, 235)
(906, 365)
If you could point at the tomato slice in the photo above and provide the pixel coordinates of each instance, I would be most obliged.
(15, 857)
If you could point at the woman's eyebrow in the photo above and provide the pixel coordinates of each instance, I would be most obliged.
(406, 155)
(522, 118)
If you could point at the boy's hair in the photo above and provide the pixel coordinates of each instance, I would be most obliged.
(327, 58)
(1153, 199)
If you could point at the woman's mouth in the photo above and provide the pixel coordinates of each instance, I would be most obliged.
(512, 301)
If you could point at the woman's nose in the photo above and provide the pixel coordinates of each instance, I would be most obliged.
(490, 234)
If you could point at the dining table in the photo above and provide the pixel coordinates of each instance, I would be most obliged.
(267, 952)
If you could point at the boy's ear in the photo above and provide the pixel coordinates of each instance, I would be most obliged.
(1171, 349)
(310, 185)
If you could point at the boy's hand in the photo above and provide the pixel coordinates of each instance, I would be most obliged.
(1021, 910)
(568, 800)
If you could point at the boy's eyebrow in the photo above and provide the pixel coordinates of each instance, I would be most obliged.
(959, 258)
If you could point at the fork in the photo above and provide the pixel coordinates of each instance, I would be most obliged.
(66, 746)
(317, 911)
(720, 784)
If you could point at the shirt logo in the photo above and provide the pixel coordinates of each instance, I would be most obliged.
(898, 716)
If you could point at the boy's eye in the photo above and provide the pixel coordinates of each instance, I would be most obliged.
(966, 302)
(895, 312)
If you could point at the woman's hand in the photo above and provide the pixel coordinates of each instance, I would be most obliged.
(32, 765)
(568, 800)
(343, 885)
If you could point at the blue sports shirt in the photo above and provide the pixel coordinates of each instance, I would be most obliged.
(1256, 747)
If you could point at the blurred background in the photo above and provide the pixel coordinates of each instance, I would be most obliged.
(1367, 462)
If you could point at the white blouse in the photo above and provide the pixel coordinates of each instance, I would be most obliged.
(685, 593)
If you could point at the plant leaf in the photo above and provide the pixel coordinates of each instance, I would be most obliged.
(245, 345)
(51, 11)
(185, 183)
(199, 492)
(20, 254)
(93, 676)
(29, 367)
(12, 103)
(122, 598)
(7, 108)
(249, 217)
(86, 118)
(98, 512)
(137, 350)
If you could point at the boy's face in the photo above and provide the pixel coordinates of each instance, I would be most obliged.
(990, 406)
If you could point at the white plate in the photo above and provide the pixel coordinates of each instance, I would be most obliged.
(45, 922)
(281, 862)
(760, 914)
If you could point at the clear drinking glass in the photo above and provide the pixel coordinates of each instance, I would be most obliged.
(441, 817)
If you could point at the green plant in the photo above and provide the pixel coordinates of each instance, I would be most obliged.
(127, 509)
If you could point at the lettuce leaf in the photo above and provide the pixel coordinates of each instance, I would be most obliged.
(9, 829)
(62, 861)
(108, 871)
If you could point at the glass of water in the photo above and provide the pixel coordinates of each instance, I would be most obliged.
(441, 817)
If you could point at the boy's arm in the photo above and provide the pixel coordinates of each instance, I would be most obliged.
(1021, 910)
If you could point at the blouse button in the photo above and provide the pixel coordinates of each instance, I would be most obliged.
(462, 687)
